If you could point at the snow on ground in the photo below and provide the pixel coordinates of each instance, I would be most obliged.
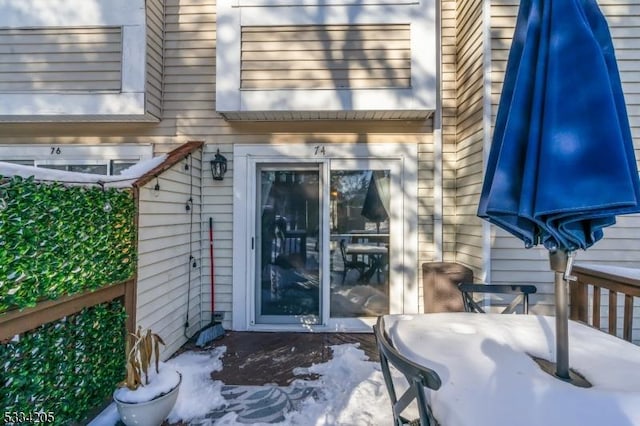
(351, 389)
(352, 392)
(484, 361)
(198, 393)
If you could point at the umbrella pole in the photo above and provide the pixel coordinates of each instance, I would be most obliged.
(562, 263)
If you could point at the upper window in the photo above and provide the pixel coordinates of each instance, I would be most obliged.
(300, 59)
(80, 60)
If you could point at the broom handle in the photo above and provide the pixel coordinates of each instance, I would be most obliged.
(213, 296)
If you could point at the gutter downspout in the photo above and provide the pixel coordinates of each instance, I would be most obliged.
(486, 124)
(438, 196)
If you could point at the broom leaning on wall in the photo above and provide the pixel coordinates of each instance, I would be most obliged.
(214, 330)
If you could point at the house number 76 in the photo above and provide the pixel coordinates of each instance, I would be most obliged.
(55, 150)
(319, 149)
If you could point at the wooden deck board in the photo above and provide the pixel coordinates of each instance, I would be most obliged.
(269, 358)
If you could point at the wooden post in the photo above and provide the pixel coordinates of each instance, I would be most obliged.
(130, 305)
(628, 318)
(596, 307)
(579, 301)
(613, 312)
(131, 295)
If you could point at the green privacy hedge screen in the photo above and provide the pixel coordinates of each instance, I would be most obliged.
(67, 367)
(58, 240)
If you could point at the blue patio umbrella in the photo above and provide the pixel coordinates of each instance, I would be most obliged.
(376, 202)
(562, 164)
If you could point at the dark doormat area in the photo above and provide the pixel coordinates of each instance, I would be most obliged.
(255, 359)
(258, 404)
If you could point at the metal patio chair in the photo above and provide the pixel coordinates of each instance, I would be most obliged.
(521, 293)
(419, 378)
(354, 263)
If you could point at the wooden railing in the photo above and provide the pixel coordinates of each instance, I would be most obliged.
(617, 280)
(21, 321)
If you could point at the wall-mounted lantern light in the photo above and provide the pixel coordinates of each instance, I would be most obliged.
(218, 166)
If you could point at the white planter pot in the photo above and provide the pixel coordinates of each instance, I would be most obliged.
(151, 413)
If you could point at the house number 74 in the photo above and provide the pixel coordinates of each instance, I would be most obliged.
(319, 149)
(55, 150)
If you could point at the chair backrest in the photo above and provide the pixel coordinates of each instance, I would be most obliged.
(521, 293)
(417, 375)
(343, 250)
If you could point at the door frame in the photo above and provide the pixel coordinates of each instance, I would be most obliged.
(245, 157)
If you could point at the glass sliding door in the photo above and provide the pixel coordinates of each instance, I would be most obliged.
(323, 239)
(359, 227)
(288, 245)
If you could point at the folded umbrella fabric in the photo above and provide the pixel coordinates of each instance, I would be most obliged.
(562, 162)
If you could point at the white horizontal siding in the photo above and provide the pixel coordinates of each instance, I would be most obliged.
(168, 235)
(469, 132)
(218, 206)
(438, 204)
(155, 53)
(326, 56)
(511, 262)
(55, 59)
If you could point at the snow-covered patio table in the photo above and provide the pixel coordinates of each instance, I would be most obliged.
(489, 378)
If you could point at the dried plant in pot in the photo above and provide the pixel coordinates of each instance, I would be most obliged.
(150, 389)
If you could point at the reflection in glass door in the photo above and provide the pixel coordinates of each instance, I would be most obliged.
(359, 234)
(288, 244)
